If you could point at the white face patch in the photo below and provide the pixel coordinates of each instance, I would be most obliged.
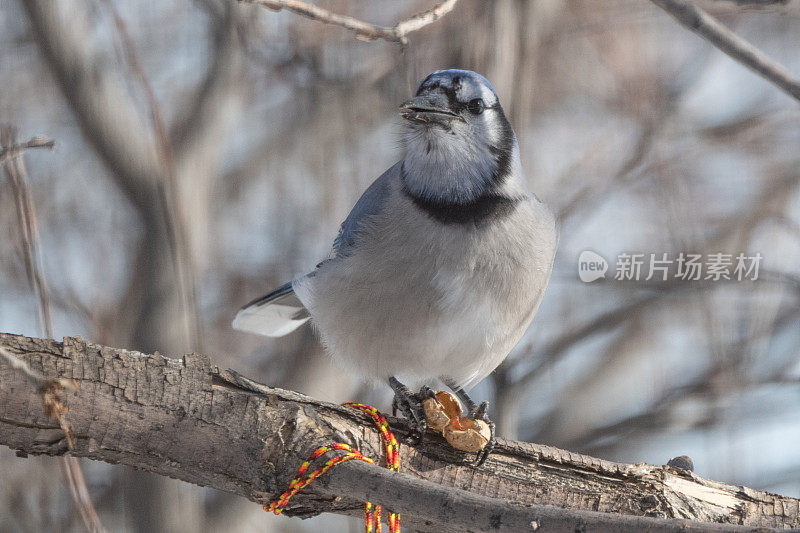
(472, 88)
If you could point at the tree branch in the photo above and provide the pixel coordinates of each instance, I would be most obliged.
(18, 148)
(734, 46)
(190, 420)
(105, 113)
(31, 251)
(363, 30)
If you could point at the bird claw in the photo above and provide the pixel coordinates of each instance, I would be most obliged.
(410, 404)
(480, 414)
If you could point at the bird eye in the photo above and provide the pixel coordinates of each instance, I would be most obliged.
(476, 106)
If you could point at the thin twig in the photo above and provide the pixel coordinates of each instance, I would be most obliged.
(35, 142)
(29, 230)
(420, 20)
(750, 3)
(50, 390)
(734, 46)
(363, 30)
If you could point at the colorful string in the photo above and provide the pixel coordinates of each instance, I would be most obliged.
(372, 513)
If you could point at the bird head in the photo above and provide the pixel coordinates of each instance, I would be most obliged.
(458, 139)
(451, 96)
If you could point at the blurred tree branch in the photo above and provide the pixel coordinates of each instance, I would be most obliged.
(757, 2)
(190, 420)
(49, 389)
(106, 115)
(512, 379)
(176, 229)
(731, 44)
(157, 180)
(363, 30)
(16, 148)
(167, 174)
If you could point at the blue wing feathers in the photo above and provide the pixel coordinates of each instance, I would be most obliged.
(283, 290)
(281, 311)
(370, 203)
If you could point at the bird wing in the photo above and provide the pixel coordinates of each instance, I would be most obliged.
(280, 312)
(370, 203)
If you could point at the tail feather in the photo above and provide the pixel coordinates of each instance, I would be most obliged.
(275, 314)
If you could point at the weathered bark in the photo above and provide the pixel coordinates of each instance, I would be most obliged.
(190, 420)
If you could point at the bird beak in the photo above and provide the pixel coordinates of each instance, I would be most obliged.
(428, 108)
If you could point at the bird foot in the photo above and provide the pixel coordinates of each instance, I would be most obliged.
(410, 404)
(479, 413)
(471, 433)
(458, 434)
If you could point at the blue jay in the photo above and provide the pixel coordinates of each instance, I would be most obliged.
(441, 265)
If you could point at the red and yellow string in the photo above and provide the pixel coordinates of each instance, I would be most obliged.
(372, 513)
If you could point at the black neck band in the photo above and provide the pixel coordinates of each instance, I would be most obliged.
(489, 206)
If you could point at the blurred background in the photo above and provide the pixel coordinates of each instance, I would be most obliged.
(207, 152)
